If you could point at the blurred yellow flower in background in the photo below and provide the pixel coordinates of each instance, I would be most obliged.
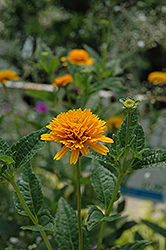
(157, 77)
(115, 121)
(8, 74)
(62, 80)
(78, 129)
(78, 56)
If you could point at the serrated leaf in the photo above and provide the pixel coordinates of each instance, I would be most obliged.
(103, 182)
(9, 160)
(150, 159)
(4, 148)
(80, 81)
(27, 147)
(137, 245)
(155, 227)
(31, 191)
(139, 141)
(66, 231)
(116, 149)
(45, 222)
(123, 128)
(95, 216)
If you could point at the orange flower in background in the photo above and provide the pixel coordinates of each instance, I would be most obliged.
(62, 80)
(115, 121)
(78, 56)
(78, 129)
(8, 74)
(157, 77)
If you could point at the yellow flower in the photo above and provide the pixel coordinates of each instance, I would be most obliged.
(157, 77)
(8, 74)
(78, 56)
(62, 80)
(114, 121)
(78, 129)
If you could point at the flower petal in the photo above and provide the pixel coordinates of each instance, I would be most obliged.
(61, 153)
(46, 137)
(85, 150)
(99, 148)
(106, 139)
(74, 156)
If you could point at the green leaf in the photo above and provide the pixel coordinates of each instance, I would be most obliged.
(27, 147)
(66, 231)
(95, 216)
(137, 245)
(139, 141)
(40, 94)
(72, 68)
(155, 227)
(31, 191)
(53, 64)
(9, 160)
(40, 48)
(111, 83)
(4, 148)
(150, 159)
(123, 128)
(116, 149)
(45, 222)
(103, 182)
(80, 81)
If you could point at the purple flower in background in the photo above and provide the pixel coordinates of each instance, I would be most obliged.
(41, 107)
(94, 247)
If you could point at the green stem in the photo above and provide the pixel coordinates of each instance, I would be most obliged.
(117, 187)
(31, 216)
(79, 204)
(108, 35)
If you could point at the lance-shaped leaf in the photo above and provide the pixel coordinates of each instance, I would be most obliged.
(45, 222)
(136, 245)
(80, 81)
(123, 129)
(155, 227)
(150, 159)
(66, 231)
(4, 148)
(103, 182)
(95, 216)
(31, 191)
(27, 147)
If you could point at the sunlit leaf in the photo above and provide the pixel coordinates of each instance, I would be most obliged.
(137, 245)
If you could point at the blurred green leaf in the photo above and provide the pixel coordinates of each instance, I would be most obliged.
(80, 81)
(155, 227)
(31, 191)
(103, 182)
(137, 245)
(95, 216)
(92, 52)
(27, 147)
(40, 94)
(53, 64)
(112, 83)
